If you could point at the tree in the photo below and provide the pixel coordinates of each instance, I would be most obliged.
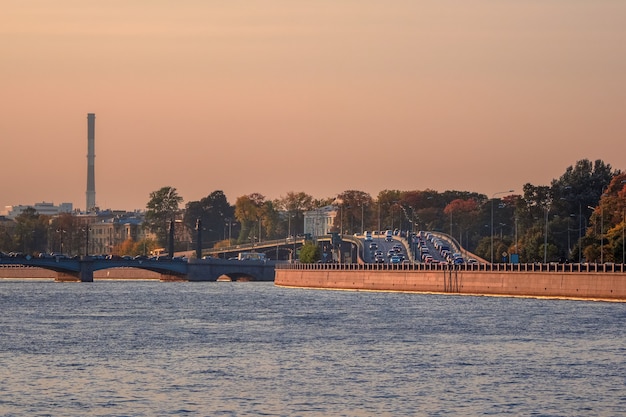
(31, 232)
(248, 213)
(269, 218)
(215, 214)
(354, 206)
(294, 204)
(464, 213)
(162, 208)
(310, 253)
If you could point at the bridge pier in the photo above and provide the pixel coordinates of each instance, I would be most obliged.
(86, 270)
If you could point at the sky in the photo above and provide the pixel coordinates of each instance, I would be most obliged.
(318, 96)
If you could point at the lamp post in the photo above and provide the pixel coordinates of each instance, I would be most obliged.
(580, 232)
(601, 234)
(492, 198)
(378, 234)
(230, 224)
(362, 215)
(61, 232)
(341, 219)
(545, 238)
(623, 226)
(198, 239)
(288, 225)
(86, 241)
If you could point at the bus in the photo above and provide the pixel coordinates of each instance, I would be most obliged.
(251, 256)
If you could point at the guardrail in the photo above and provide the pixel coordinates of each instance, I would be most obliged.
(526, 267)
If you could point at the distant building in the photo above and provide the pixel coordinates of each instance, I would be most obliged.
(107, 232)
(320, 221)
(48, 209)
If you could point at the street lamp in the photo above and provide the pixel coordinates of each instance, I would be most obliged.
(86, 230)
(623, 227)
(545, 237)
(362, 214)
(230, 225)
(492, 198)
(61, 232)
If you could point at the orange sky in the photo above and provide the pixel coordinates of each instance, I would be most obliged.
(280, 95)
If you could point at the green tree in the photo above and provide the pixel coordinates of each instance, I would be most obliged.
(162, 208)
(31, 232)
(215, 214)
(310, 253)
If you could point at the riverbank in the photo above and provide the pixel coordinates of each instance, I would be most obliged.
(549, 284)
(25, 272)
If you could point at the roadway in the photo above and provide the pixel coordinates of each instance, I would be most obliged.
(384, 246)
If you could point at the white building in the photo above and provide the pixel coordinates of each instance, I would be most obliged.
(48, 209)
(320, 221)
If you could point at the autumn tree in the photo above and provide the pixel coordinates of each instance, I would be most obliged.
(462, 213)
(248, 212)
(355, 206)
(162, 208)
(294, 205)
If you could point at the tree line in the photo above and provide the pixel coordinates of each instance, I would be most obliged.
(580, 216)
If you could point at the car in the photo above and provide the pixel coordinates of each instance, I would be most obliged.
(395, 259)
(378, 253)
(379, 259)
(373, 246)
(391, 253)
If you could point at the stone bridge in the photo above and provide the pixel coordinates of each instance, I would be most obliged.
(192, 270)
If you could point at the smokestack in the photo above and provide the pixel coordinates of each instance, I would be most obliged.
(91, 157)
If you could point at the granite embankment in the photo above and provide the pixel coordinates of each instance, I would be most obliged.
(23, 272)
(563, 281)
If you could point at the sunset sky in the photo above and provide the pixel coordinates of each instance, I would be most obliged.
(316, 96)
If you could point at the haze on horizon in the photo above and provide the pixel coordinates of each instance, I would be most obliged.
(323, 97)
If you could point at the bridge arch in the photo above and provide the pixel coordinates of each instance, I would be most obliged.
(236, 276)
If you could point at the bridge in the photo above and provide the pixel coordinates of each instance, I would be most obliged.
(171, 269)
(277, 249)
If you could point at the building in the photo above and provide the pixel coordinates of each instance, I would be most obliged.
(47, 209)
(320, 221)
(108, 232)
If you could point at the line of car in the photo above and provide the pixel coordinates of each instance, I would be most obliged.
(394, 255)
(61, 256)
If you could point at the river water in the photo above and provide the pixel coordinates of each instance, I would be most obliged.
(146, 348)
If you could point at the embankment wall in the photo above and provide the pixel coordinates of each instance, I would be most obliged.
(21, 272)
(579, 285)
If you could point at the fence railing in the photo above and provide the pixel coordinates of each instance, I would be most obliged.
(481, 267)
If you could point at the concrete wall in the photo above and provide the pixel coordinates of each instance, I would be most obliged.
(603, 286)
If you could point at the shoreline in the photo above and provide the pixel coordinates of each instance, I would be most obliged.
(34, 273)
(595, 286)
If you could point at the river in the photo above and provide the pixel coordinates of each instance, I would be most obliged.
(147, 348)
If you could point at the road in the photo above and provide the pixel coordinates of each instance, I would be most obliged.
(385, 247)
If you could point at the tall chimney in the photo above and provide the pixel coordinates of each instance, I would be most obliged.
(91, 156)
